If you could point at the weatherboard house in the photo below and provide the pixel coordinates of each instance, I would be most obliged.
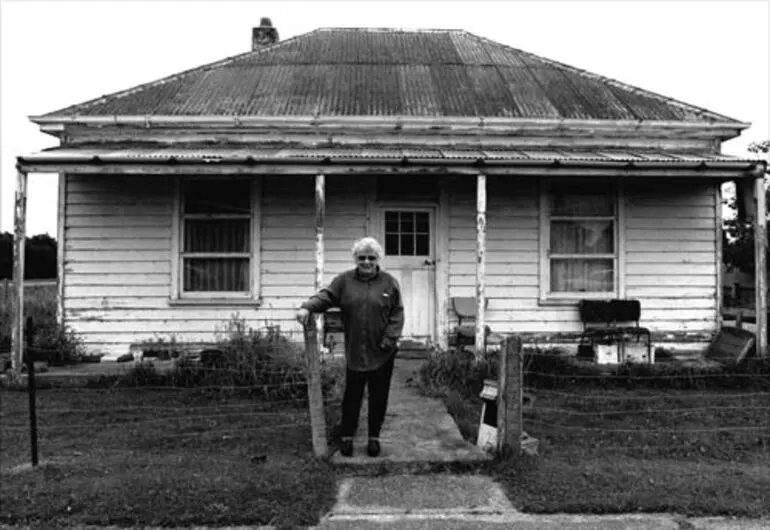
(487, 172)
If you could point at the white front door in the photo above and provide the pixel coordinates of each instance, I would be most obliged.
(408, 238)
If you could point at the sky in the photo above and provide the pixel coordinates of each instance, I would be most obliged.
(712, 54)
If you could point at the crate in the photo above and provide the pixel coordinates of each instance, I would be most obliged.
(638, 352)
(607, 353)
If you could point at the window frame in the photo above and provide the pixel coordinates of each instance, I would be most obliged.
(253, 295)
(547, 297)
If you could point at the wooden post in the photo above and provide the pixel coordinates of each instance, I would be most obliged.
(20, 229)
(481, 261)
(6, 290)
(315, 394)
(320, 220)
(760, 260)
(510, 398)
(60, 224)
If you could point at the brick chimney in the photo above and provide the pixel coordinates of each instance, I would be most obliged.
(263, 36)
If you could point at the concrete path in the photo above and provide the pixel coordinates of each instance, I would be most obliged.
(417, 429)
(477, 502)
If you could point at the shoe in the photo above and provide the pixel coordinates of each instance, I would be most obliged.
(373, 447)
(346, 447)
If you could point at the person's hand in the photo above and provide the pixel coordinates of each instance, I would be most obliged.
(303, 316)
(387, 345)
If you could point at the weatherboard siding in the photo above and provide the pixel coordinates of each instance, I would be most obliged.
(288, 239)
(118, 244)
(669, 256)
(117, 257)
(671, 253)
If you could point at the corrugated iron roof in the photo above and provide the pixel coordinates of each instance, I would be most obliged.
(388, 155)
(380, 72)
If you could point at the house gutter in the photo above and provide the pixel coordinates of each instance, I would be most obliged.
(53, 123)
(753, 165)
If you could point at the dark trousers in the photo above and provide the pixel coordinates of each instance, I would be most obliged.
(379, 387)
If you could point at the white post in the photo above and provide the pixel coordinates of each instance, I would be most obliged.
(760, 260)
(481, 251)
(320, 219)
(19, 224)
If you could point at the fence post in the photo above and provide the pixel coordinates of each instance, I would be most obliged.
(31, 387)
(314, 391)
(19, 240)
(510, 398)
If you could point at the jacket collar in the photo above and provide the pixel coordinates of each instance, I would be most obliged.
(372, 277)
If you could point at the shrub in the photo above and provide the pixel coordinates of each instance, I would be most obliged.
(145, 374)
(447, 372)
(263, 364)
(457, 371)
(58, 344)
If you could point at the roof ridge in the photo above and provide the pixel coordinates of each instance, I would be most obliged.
(614, 82)
(173, 77)
(391, 30)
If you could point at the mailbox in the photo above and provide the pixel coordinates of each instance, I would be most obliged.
(487, 438)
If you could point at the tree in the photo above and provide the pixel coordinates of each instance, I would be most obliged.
(39, 256)
(738, 233)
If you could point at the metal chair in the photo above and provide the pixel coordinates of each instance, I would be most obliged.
(602, 321)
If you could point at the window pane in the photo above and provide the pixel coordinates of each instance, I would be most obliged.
(581, 275)
(217, 196)
(221, 235)
(391, 244)
(582, 237)
(201, 274)
(407, 245)
(582, 200)
(423, 223)
(407, 222)
(423, 244)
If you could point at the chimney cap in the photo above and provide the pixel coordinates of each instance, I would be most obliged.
(264, 35)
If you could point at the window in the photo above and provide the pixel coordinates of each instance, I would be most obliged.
(407, 233)
(580, 238)
(215, 238)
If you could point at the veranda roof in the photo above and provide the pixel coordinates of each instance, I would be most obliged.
(332, 160)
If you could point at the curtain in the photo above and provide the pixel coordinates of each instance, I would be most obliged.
(217, 220)
(581, 275)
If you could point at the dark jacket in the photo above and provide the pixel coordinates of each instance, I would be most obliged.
(372, 316)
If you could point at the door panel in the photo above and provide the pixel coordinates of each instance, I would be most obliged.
(408, 235)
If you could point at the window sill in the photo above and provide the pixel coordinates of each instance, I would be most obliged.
(220, 302)
(554, 301)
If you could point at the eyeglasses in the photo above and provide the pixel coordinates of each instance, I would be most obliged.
(364, 258)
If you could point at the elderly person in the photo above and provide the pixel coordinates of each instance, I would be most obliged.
(373, 319)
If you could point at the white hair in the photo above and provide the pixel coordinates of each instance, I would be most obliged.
(367, 244)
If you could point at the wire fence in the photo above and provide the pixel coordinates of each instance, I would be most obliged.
(669, 409)
(250, 386)
(254, 389)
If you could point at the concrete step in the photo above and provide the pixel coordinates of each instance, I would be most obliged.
(417, 499)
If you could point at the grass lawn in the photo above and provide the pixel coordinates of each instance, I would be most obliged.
(159, 457)
(663, 456)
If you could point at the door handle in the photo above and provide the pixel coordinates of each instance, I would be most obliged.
(429, 262)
